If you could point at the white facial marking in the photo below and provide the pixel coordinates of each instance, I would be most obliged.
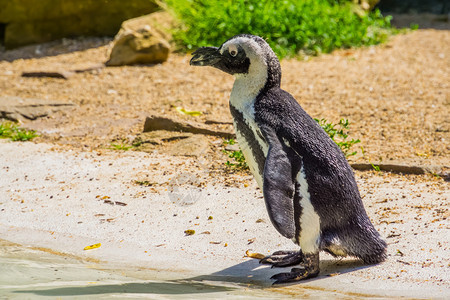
(233, 50)
(309, 219)
(245, 89)
(247, 86)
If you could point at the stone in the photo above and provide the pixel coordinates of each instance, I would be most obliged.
(362, 7)
(172, 143)
(221, 122)
(17, 109)
(400, 168)
(142, 40)
(49, 74)
(159, 137)
(366, 5)
(234, 147)
(195, 145)
(29, 21)
(144, 46)
(164, 123)
(161, 21)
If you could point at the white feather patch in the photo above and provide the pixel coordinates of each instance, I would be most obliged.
(247, 86)
(245, 89)
(336, 247)
(309, 219)
(248, 113)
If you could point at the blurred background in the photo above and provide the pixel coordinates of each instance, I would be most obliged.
(24, 22)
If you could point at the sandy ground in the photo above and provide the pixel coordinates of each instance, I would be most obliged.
(396, 95)
(94, 199)
(67, 189)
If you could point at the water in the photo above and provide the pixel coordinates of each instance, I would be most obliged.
(33, 273)
(41, 273)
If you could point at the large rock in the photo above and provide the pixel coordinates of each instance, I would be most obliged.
(154, 123)
(144, 46)
(16, 108)
(172, 143)
(196, 145)
(35, 21)
(142, 40)
(161, 21)
(366, 4)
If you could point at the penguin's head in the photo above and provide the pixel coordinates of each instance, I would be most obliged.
(242, 55)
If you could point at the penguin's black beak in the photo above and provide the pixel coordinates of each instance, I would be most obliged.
(205, 56)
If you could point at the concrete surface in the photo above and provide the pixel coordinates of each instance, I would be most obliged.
(63, 200)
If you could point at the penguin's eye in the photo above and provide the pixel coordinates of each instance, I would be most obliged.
(233, 50)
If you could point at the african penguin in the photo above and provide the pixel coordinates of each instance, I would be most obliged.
(309, 188)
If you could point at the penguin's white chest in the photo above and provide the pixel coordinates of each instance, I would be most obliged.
(249, 158)
(243, 95)
(248, 114)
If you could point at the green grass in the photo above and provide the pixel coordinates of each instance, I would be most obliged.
(339, 134)
(375, 167)
(237, 161)
(290, 26)
(12, 131)
(124, 144)
(120, 146)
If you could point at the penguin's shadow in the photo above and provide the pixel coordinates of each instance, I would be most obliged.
(252, 272)
(247, 273)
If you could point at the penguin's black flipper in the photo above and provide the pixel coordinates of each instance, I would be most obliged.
(278, 185)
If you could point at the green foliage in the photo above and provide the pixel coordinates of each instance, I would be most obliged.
(229, 142)
(121, 146)
(375, 167)
(339, 134)
(413, 26)
(12, 131)
(239, 159)
(289, 26)
(238, 162)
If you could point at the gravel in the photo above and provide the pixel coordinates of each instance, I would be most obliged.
(67, 189)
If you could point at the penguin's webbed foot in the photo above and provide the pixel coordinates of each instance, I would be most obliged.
(309, 268)
(283, 258)
(296, 274)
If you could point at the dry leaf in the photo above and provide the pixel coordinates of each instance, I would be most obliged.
(188, 112)
(189, 232)
(94, 246)
(254, 255)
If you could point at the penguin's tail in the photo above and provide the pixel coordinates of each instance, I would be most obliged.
(357, 240)
(368, 246)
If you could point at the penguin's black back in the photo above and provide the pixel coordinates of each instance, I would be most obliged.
(331, 184)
